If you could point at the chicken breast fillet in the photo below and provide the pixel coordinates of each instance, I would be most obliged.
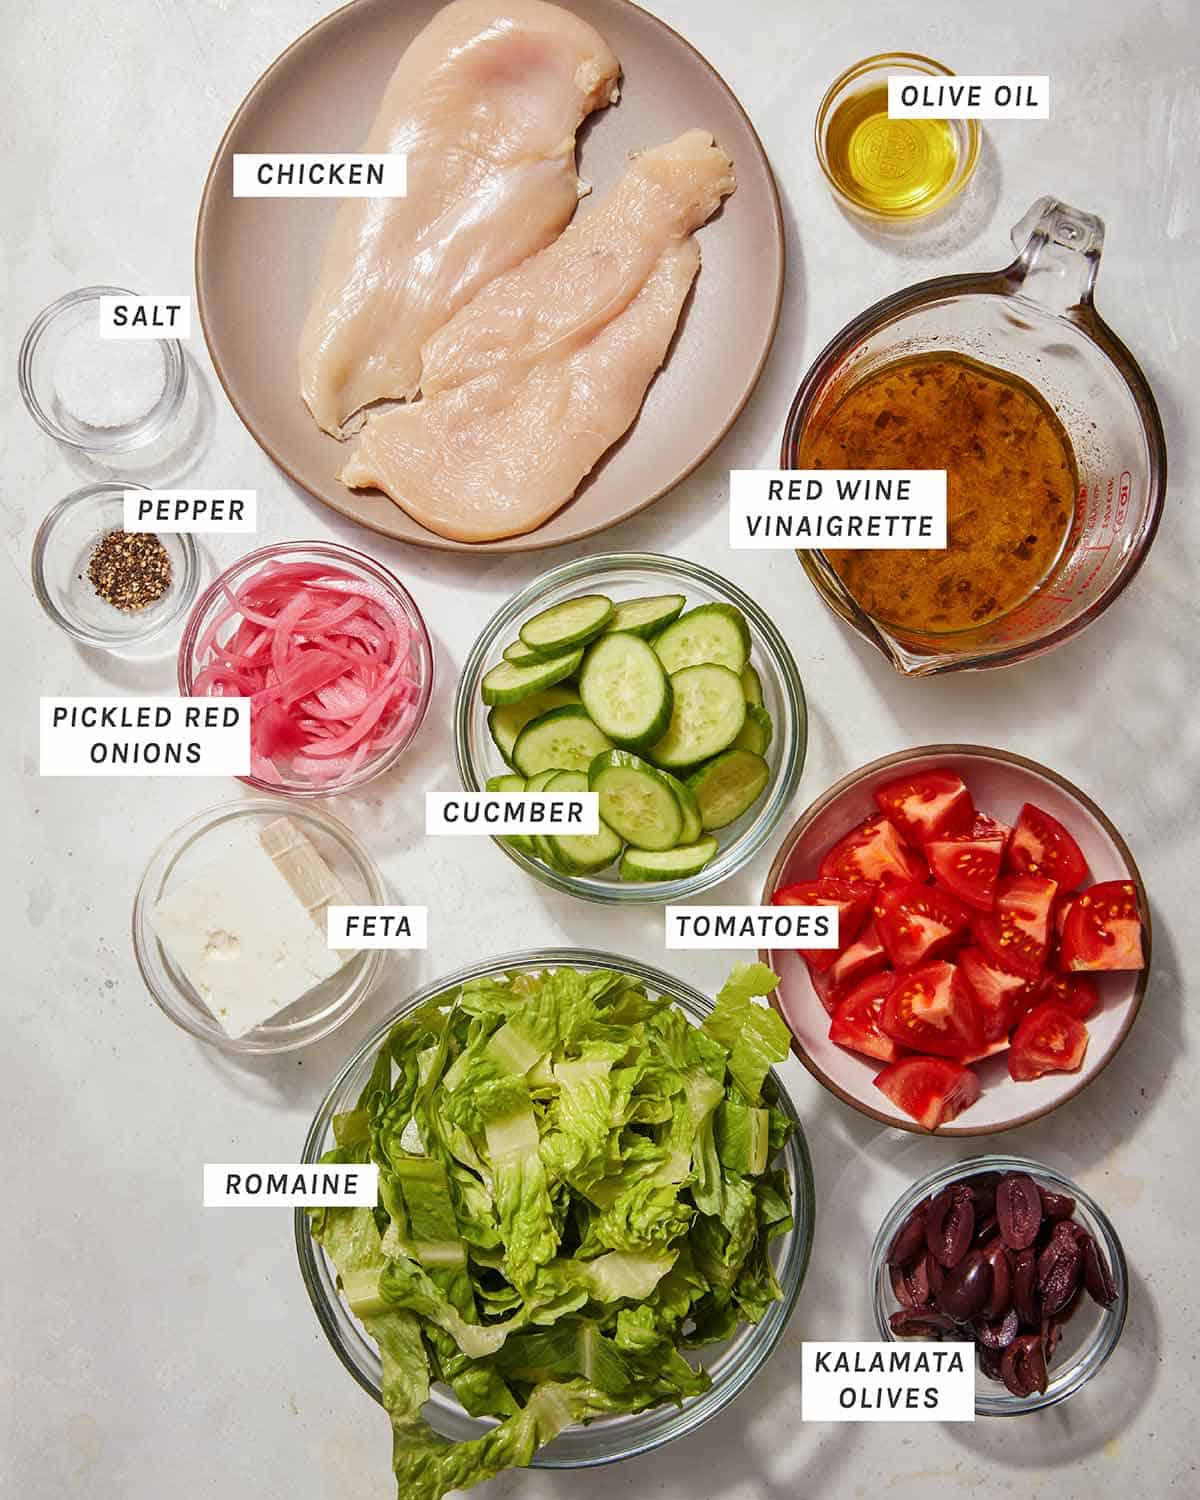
(485, 103)
(530, 383)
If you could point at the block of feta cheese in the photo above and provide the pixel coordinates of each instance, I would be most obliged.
(248, 930)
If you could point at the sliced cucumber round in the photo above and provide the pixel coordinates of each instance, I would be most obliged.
(534, 843)
(706, 717)
(636, 801)
(646, 617)
(667, 864)
(542, 779)
(506, 723)
(689, 807)
(520, 655)
(566, 625)
(709, 633)
(565, 739)
(509, 683)
(728, 785)
(756, 731)
(751, 685)
(625, 689)
(505, 784)
(581, 853)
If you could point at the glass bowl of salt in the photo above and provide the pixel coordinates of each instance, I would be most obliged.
(95, 394)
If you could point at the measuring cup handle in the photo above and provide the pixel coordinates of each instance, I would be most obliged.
(1059, 255)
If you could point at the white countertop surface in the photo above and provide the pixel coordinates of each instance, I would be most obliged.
(150, 1347)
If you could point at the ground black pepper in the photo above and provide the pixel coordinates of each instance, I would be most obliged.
(130, 569)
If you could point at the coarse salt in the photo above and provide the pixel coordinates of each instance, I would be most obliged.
(108, 382)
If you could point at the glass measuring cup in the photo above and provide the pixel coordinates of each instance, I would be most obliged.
(1036, 320)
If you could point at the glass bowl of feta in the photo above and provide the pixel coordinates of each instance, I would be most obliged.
(229, 925)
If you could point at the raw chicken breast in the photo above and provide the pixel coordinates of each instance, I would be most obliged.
(592, 271)
(485, 103)
(536, 378)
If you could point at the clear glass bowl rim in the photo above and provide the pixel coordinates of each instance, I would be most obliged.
(120, 439)
(77, 500)
(734, 856)
(159, 866)
(764, 1336)
(939, 289)
(347, 557)
(897, 761)
(1065, 1380)
(900, 62)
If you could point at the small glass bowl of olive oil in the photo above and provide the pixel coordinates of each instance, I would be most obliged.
(891, 169)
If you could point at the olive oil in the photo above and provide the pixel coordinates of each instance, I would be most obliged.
(897, 168)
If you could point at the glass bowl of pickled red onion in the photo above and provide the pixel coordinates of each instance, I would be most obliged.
(332, 651)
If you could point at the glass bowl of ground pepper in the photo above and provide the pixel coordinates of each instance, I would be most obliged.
(109, 588)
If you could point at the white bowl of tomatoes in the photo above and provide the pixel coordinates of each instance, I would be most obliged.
(993, 939)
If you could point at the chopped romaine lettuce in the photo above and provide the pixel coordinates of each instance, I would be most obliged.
(574, 1188)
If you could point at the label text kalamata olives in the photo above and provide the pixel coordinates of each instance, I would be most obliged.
(999, 1259)
(1018, 1210)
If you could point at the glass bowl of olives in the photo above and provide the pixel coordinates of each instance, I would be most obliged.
(1010, 1255)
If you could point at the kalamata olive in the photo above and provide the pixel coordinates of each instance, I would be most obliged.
(997, 1335)
(1051, 1333)
(949, 1224)
(983, 1193)
(1018, 1210)
(1024, 1287)
(911, 1286)
(1023, 1366)
(909, 1240)
(989, 1361)
(1056, 1205)
(1000, 1300)
(1097, 1276)
(1059, 1269)
(966, 1287)
(920, 1322)
(985, 1230)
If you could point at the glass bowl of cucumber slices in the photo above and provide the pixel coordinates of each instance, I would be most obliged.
(656, 684)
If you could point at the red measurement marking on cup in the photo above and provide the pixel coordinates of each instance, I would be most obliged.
(1124, 490)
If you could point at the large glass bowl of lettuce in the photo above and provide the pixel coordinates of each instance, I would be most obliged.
(595, 1216)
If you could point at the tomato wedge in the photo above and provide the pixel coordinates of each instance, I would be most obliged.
(852, 898)
(930, 1089)
(1074, 992)
(919, 922)
(1001, 996)
(864, 956)
(1042, 846)
(968, 864)
(872, 851)
(855, 1022)
(1103, 929)
(1017, 933)
(927, 805)
(933, 1010)
(1048, 1040)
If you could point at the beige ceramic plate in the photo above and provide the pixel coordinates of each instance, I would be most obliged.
(999, 782)
(257, 258)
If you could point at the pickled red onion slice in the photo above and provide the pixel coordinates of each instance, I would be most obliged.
(330, 662)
